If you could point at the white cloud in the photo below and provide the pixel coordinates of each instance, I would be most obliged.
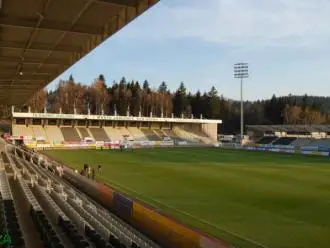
(238, 22)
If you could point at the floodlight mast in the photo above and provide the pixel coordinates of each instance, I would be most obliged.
(241, 71)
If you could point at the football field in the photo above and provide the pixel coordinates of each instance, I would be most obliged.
(249, 198)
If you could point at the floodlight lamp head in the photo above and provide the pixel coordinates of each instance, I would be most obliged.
(241, 70)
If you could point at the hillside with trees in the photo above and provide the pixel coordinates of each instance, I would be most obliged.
(135, 97)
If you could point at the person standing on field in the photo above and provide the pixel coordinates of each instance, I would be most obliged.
(89, 172)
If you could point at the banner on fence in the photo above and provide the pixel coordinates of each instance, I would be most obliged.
(288, 149)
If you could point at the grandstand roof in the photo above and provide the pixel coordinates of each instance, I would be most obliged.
(112, 118)
(43, 38)
(290, 128)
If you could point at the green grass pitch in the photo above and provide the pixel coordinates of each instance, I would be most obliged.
(277, 200)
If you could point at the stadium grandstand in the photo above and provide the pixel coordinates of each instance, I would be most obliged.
(291, 135)
(46, 130)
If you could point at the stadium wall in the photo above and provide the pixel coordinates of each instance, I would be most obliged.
(318, 151)
(161, 228)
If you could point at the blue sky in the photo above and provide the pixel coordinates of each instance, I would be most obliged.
(285, 42)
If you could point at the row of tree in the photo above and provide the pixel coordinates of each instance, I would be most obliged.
(137, 98)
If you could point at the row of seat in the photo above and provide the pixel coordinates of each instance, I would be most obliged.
(93, 234)
(101, 229)
(96, 238)
(266, 140)
(90, 233)
(320, 142)
(9, 221)
(98, 222)
(4, 157)
(302, 142)
(43, 225)
(293, 141)
(105, 221)
(76, 238)
(58, 134)
(10, 224)
(47, 233)
(285, 141)
(99, 134)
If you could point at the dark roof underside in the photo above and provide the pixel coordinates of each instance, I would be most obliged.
(43, 38)
(290, 128)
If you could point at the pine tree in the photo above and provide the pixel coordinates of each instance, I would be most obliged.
(214, 103)
(101, 78)
(162, 87)
(180, 102)
(71, 79)
(146, 87)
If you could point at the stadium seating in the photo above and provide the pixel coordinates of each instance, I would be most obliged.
(185, 135)
(320, 142)
(9, 218)
(284, 141)
(79, 134)
(159, 133)
(11, 224)
(83, 133)
(4, 157)
(54, 134)
(48, 235)
(70, 134)
(58, 217)
(22, 130)
(203, 137)
(113, 134)
(267, 140)
(39, 131)
(137, 134)
(83, 225)
(169, 133)
(302, 142)
(125, 133)
(192, 136)
(150, 134)
(99, 134)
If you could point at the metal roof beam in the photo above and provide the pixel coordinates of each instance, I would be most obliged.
(20, 84)
(19, 89)
(38, 47)
(27, 69)
(11, 72)
(18, 97)
(49, 25)
(34, 61)
(7, 77)
(119, 3)
(29, 86)
(6, 90)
